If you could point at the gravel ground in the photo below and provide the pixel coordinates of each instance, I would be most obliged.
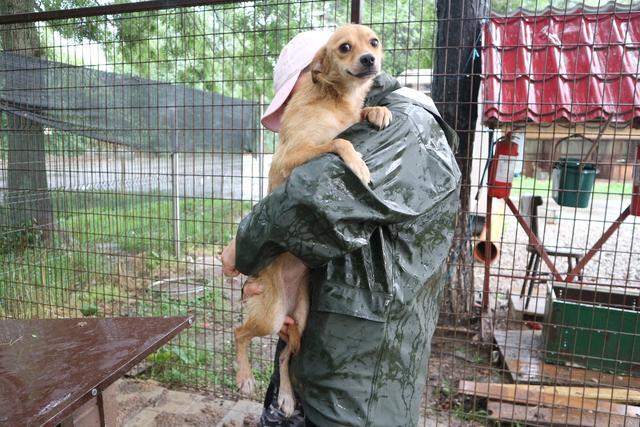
(617, 264)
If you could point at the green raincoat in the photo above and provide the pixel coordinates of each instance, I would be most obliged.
(377, 255)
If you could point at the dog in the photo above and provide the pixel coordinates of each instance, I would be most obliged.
(322, 107)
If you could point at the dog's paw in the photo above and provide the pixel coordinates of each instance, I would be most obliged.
(287, 403)
(377, 116)
(246, 384)
(359, 167)
(352, 159)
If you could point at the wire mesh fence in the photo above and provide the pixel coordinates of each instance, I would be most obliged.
(131, 148)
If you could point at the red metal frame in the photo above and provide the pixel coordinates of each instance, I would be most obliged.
(598, 245)
(538, 245)
(540, 248)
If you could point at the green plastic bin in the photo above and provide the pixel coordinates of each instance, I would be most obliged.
(573, 182)
(592, 327)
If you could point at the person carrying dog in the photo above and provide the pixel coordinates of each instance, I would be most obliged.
(377, 255)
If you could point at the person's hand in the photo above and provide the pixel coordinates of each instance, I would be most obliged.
(228, 258)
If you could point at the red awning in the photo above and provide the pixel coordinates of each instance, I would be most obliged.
(574, 67)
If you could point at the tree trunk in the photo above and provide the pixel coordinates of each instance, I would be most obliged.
(456, 81)
(27, 194)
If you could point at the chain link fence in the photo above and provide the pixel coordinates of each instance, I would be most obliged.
(131, 148)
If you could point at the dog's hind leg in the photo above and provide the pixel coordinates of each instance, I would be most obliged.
(300, 316)
(286, 400)
(244, 376)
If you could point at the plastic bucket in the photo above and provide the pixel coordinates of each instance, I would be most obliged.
(573, 182)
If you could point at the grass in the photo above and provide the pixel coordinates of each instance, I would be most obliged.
(471, 414)
(137, 228)
(602, 189)
(107, 249)
(138, 223)
(187, 362)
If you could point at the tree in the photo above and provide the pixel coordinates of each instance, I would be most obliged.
(220, 49)
(180, 45)
(407, 42)
(27, 194)
(455, 90)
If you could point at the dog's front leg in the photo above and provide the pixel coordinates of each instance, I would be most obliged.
(341, 147)
(352, 158)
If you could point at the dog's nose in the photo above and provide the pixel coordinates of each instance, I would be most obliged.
(367, 60)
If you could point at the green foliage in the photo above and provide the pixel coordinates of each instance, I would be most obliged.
(174, 364)
(443, 390)
(89, 309)
(228, 49)
(232, 48)
(82, 277)
(89, 28)
(478, 415)
(137, 223)
(406, 29)
(17, 238)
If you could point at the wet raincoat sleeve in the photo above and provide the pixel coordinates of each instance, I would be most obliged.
(323, 211)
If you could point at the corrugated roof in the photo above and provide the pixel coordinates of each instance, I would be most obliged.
(573, 67)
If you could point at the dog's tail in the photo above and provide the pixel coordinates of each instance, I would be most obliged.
(294, 338)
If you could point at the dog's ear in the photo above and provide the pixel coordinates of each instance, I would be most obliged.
(317, 65)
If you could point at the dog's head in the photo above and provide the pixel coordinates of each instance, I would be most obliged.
(351, 57)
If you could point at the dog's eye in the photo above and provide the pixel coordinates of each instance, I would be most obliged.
(345, 47)
(375, 42)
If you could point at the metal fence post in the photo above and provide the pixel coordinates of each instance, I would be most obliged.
(123, 173)
(356, 11)
(175, 188)
(175, 193)
(261, 150)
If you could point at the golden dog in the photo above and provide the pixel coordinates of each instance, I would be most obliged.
(323, 106)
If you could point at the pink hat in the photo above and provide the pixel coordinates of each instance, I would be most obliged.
(295, 56)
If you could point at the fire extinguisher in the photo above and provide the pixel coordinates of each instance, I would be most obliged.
(635, 195)
(502, 167)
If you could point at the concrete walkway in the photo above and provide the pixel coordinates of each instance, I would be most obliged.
(149, 404)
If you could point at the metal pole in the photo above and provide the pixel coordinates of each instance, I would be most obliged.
(539, 247)
(598, 245)
(356, 11)
(261, 150)
(486, 285)
(123, 173)
(175, 188)
(176, 202)
(111, 9)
